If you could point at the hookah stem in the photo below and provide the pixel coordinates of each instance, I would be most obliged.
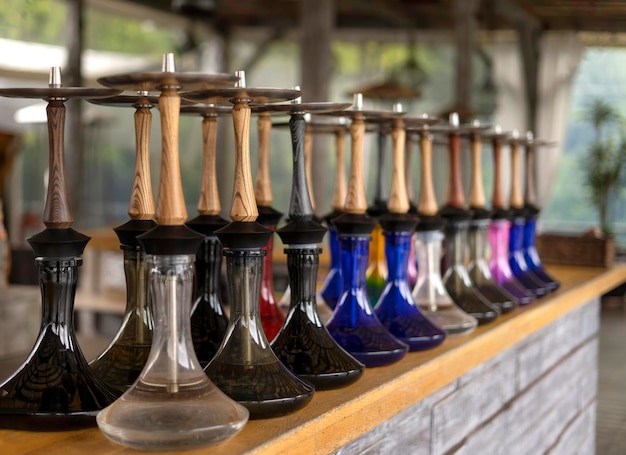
(263, 191)
(497, 201)
(243, 206)
(530, 195)
(408, 147)
(209, 201)
(432, 263)
(477, 193)
(57, 211)
(246, 310)
(427, 201)
(456, 198)
(300, 204)
(308, 162)
(339, 195)
(172, 384)
(139, 293)
(516, 200)
(398, 199)
(141, 206)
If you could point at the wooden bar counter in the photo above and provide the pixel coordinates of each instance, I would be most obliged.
(531, 368)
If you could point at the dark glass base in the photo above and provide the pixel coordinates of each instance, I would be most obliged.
(331, 291)
(546, 279)
(208, 327)
(14, 419)
(310, 352)
(497, 296)
(531, 283)
(265, 389)
(373, 346)
(523, 296)
(473, 304)
(121, 364)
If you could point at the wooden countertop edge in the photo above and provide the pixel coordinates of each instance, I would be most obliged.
(337, 417)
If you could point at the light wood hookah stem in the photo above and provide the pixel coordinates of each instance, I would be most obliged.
(341, 186)
(456, 197)
(355, 199)
(209, 200)
(243, 208)
(530, 193)
(398, 198)
(427, 202)
(170, 209)
(141, 206)
(477, 192)
(516, 200)
(497, 200)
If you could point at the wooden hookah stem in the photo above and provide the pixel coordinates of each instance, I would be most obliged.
(57, 211)
(355, 199)
(141, 206)
(243, 206)
(308, 162)
(263, 189)
(170, 209)
(300, 205)
(209, 200)
(427, 202)
(516, 200)
(408, 150)
(497, 201)
(456, 197)
(530, 193)
(341, 186)
(398, 198)
(477, 192)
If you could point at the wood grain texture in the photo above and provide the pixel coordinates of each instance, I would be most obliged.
(209, 200)
(335, 417)
(516, 200)
(427, 204)
(355, 198)
(170, 208)
(308, 162)
(141, 206)
(57, 212)
(341, 185)
(477, 191)
(455, 196)
(243, 206)
(530, 191)
(408, 158)
(263, 188)
(300, 204)
(398, 198)
(497, 199)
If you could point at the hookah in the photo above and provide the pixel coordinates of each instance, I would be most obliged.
(499, 229)
(271, 317)
(303, 344)
(478, 267)
(333, 284)
(429, 292)
(376, 273)
(456, 277)
(173, 404)
(532, 212)
(55, 389)
(518, 219)
(245, 367)
(208, 319)
(396, 309)
(122, 361)
(353, 324)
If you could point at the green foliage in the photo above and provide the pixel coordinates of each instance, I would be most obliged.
(605, 161)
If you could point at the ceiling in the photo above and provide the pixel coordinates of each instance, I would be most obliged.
(578, 15)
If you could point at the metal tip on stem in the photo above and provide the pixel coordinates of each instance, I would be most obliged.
(515, 134)
(476, 123)
(54, 79)
(397, 107)
(497, 129)
(341, 120)
(241, 83)
(168, 66)
(307, 117)
(454, 119)
(297, 100)
(530, 136)
(357, 102)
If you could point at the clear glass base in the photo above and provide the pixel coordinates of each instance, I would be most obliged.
(149, 417)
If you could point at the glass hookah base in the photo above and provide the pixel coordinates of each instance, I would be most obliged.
(474, 306)
(497, 297)
(121, 364)
(546, 279)
(418, 333)
(311, 353)
(532, 284)
(451, 319)
(150, 418)
(373, 346)
(523, 296)
(265, 389)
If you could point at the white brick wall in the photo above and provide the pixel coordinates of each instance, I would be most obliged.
(536, 397)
